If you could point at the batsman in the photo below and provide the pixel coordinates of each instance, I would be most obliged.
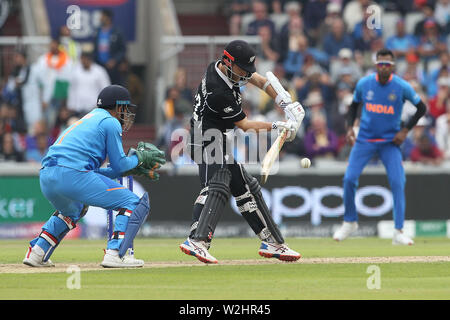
(218, 109)
(72, 179)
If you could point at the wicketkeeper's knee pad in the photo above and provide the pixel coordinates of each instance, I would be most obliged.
(135, 220)
(54, 230)
(218, 195)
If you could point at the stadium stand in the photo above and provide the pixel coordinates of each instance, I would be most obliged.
(201, 31)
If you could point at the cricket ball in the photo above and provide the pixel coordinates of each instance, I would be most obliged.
(305, 163)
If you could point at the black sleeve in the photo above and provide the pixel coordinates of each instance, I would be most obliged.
(421, 109)
(352, 113)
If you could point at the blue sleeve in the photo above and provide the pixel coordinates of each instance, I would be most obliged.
(108, 172)
(357, 94)
(118, 160)
(409, 93)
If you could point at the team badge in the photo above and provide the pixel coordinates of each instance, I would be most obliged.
(392, 97)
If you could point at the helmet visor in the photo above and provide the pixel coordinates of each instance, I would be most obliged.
(127, 114)
(238, 80)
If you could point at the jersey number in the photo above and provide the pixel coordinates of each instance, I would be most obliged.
(73, 126)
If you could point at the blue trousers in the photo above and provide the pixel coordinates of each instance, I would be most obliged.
(69, 190)
(391, 157)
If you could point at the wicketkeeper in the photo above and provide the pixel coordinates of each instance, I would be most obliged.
(72, 180)
(218, 108)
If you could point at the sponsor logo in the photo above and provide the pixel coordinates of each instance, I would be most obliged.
(314, 202)
(228, 109)
(252, 58)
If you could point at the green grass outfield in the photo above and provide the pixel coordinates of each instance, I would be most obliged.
(327, 270)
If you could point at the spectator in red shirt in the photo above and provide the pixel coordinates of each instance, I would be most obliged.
(438, 104)
(426, 152)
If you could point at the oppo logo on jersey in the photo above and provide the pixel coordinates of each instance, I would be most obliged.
(379, 108)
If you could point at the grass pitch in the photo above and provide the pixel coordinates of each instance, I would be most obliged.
(327, 270)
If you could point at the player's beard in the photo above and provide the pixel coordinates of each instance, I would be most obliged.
(384, 75)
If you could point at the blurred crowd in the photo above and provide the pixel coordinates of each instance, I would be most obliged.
(320, 49)
(41, 98)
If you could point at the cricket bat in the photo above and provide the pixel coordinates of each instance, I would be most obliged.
(274, 150)
(272, 155)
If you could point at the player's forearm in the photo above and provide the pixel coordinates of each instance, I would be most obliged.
(124, 163)
(254, 125)
(108, 172)
(118, 160)
(352, 113)
(261, 82)
(421, 109)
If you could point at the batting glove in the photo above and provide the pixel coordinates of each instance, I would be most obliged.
(295, 112)
(289, 126)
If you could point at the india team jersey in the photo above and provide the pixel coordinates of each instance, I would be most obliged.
(87, 142)
(382, 106)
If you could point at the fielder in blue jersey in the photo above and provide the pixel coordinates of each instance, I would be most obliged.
(72, 179)
(381, 132)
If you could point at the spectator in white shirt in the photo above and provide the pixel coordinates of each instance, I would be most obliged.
(87, 81)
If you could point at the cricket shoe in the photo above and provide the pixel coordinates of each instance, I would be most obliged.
(111, 259)
(400, 238)
(198, 249)
(280, 251)
(34, 257)
(345, 230)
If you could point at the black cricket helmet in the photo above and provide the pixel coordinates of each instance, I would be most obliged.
(240, 53)
(118, 98)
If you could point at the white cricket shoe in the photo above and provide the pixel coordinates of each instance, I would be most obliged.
(34, 256)
(401, 239)
(280, 251)
(198, 249)
(111, 259)
(345, 230)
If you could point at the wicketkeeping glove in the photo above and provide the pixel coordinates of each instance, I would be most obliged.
(149, 156)
(152, 174)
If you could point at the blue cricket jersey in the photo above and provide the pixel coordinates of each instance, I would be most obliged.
(86, 143)
(382, 106)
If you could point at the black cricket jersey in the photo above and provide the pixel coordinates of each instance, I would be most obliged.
(217, 103)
